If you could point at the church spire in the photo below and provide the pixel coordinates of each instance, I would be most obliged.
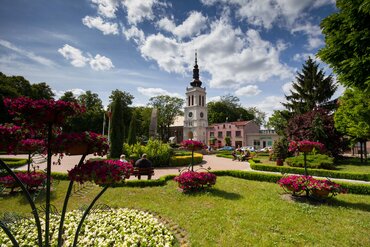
(196, 82)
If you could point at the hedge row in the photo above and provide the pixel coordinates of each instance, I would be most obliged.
(312, 172)
(185, 160)
(15, 162)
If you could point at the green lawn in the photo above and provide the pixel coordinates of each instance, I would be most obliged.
(236, 212)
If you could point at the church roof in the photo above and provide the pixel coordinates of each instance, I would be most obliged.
(196, 82)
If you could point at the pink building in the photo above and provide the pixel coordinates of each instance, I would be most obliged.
(241, 133)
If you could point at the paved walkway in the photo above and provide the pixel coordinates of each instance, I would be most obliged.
(215, 163)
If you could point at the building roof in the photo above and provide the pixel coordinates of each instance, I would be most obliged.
(237, 123)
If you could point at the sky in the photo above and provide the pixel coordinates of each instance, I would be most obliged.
(248, 48)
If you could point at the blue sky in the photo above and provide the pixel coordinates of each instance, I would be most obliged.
(248, 48)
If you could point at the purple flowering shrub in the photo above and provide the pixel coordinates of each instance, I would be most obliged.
(192, 181)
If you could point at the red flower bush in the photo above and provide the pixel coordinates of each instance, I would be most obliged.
(33, 179)
(192, 145)
(300, 183)
(32, 145)
(10, 136)
(42, 111)
(94, 142)
(305, 146)
(191, 181)
(101, 172)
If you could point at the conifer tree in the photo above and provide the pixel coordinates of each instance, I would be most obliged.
(117, 125)
(311, 89)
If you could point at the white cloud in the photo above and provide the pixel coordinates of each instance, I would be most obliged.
(313, 32)
(193, 25)
(101, 63)
(153, 92)
(134, 33)
(106, 8)
(314, 42)
(28, 54)
(287, 87)
(232, 58)
(79, 60)
(76, 92)
(250, 90)
(270, 104)
(214, 99)
(100, 24)
(74, 55)
(138, 11)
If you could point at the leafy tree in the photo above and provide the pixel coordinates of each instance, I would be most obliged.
(116, 135)
(41, 91)
(352, 117)
(168, 108)
(69, 97)
(347, 37)
(227, 141)
(131, 139)
(143, 115)
(279, 121)
(316, 125)
(14, 86)
(259, 116)
(311, 89)
(227, 109)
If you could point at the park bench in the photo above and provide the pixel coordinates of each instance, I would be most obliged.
(138, 172)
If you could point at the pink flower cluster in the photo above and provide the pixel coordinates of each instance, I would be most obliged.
(193, 145)
(32, 145)
(33, 179)
(191, 181)
(10, 135)
(101, 172)
(41, 111)
(305, 146)
(96, 143)
(299, 183)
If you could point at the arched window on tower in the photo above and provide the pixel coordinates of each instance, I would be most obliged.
(189, 101)
(192, 100)
(200, 100)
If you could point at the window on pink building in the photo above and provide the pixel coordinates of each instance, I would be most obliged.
(228, 133)
(219, 134)
(238, 133)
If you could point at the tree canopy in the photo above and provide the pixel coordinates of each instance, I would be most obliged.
(227, 109)
(168, 108)
(311, 89)
(347, 39)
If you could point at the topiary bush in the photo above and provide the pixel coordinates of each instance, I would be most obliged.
(318, 161)
(184, 160)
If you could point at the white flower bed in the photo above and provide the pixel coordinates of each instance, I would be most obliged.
(115, 227)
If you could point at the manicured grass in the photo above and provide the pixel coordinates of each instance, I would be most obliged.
(235, 212)
(352, 164)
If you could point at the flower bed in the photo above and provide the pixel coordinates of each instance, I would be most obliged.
(32, 180)
(101, 172)
(305, 146)
(115, 227)
(319, 188)
(192, 181)
(192, 145)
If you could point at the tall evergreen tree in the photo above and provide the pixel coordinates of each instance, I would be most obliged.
(131, 139)
(311, 89)
(117, 125)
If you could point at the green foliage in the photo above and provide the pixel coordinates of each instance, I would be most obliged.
(227, 109)
(352, 117)
(131, 139)
(168, 109)
(278, 121)
(143, 115)
(41, 91)
(158, 153)
(318, 161)
(310, 89)
(117, 134)
(184, 160)
(347, 34)
(312, 172)
(227, 141)
(14, 162)
(280, 149)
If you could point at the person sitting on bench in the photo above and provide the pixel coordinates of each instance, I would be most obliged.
(143, 162)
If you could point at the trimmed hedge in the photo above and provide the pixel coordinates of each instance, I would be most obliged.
(317, 161)
(224, 155)
(185, 160)
(312, 172)
(15, 162)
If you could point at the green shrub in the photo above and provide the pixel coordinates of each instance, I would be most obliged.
(158, 153)
(225, 155)
(312, 172)
(182, 153)
(318, 161)
(183, 160)
(15, 162)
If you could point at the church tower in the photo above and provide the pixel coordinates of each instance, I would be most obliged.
(196, 115)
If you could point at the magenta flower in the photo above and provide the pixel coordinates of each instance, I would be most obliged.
(191, 181)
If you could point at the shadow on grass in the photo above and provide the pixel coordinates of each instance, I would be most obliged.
(332, 202)
(225, 194)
